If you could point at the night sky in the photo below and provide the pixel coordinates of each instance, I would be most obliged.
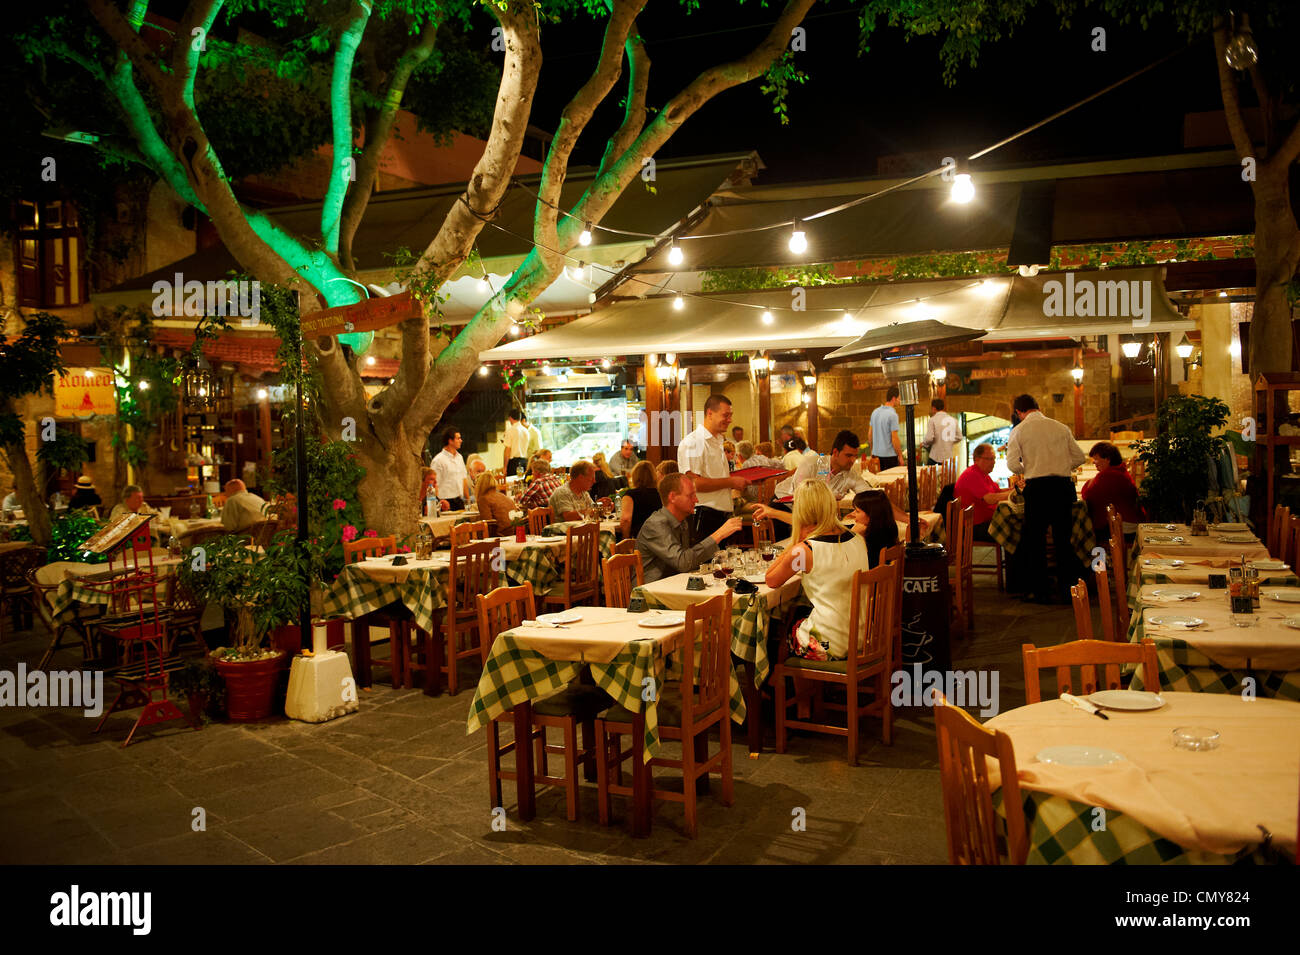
(892, 99)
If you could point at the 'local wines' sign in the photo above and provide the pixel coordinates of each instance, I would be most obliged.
(367, 316)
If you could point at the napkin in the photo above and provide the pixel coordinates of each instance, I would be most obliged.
(1079, 703)
(541, 623)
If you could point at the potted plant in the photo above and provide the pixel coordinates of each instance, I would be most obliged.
(258, 593)
(202, 687)
(1178, 459)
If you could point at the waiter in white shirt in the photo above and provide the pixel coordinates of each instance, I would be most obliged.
(941, 434)
(449, 466)
(701, 455)
(1045, 453)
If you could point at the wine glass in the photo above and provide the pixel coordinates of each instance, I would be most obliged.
(719, 568)
(768, 553)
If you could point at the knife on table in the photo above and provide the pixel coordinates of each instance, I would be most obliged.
(1084, 705)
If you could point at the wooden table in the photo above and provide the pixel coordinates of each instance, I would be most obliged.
(444, 522)
(1161, 803)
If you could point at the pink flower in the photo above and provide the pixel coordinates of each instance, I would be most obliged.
(405, 549)
(372, 533)
(339, 504)
(349, 533)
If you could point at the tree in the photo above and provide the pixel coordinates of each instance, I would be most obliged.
(28, 365)
(154, 90)
(1246, 64)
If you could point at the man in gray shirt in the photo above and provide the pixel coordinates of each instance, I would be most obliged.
(665, 539)
(623, 462)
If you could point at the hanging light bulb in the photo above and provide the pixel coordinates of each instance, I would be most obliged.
(370, 359)
(675, 254)
(940, 375)
(679, 303)
(1184, 348)
(482, 369)
(1241, 52)
(604, 363)
(483, 285)
(576, 272)
(514, 330)
(768, 319)
(963, 189)
(144, 385)
(1028, 271)
(261, 394)
(798, 240)
(1235, 349)
(584, 238)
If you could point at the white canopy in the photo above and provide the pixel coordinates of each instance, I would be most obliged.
(834, 315)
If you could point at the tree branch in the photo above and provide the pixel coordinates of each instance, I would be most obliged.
(1228, 90)
(638, 81)
(341, 116)
(574, 120)
(185, 57)
(378, 130)
(391, 405)
(120, 32)
(523, 63)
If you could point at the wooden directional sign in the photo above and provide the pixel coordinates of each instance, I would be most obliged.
(367, 316)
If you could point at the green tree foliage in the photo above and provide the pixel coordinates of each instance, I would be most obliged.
(1179, 458)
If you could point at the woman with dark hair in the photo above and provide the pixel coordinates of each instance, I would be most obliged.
(641, 500)
(873, 518)
(1112, 485)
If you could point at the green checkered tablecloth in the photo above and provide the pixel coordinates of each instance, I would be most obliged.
(71, 593)
(1061, 832)
(750, 621)
(1185, 668)
(355, 593)
(1137, 577)
(1007, 526)
(515, 673)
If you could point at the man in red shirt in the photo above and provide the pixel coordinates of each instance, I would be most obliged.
(976, 489)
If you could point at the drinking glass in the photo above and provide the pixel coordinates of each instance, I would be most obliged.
(719, 568)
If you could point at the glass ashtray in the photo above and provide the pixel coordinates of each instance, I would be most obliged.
(1196, 738)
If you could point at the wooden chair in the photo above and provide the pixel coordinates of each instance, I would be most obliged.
(687, 711)
(581, 568)
(965, 749)
(1083, 609)
(469, 531)
(1291, 542)
(200, 537)
(262, 532)
(893, 556)
(471, 574)
(618, 571)
(959, 570)
(868, 667)
(184, 614)
(501, 610)
(1276, 526)
(15, 589)
(1088, 656)
(397, 620)
(626, 546)
(1115, 524)
(994, 569)
(1119, 569)
(1127, 435)
(41, 594)
(539, 518)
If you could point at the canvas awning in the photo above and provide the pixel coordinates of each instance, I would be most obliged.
(1007, 307)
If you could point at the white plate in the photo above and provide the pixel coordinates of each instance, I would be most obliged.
(1292, 622)
(1237, 539)
(1078, 756)
(1286, 596)
(1174, 620)
(672, 618)
(1127, 700)
(1267, 565)
(1166, 594)
(1165, 539)
(757, 578)
(563, 616)
(1231, 527)
(1161, 562)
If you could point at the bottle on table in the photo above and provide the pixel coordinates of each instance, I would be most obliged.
(431, 503)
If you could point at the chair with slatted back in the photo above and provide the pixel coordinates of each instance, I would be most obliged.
(687, 711)
(581, 581)
(184, 614)
(1277, 522)
(1291, 544)
(1109, 623)
(464, 533)
(539, 518)
(627, 546)
(619, 571)
(471, 573)
(140, 628)
(15, 589)
(1119, 570)
(1082, 610)
(965, 750)
(867, 669)
(1089, 656)
(394, 616)
(503, 609)
(959, 575)
(893, 556)
(1115, 525)
(262, 532)
(42, 594)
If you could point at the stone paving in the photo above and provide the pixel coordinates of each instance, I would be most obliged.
(401, 782)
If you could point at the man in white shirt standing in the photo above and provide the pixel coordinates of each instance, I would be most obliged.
(941, 434)
(516, 443)
(701, 455)
(449, 467)
(534, 437)
(1045, 453)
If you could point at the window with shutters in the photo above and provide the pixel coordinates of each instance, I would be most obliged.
(49, 252)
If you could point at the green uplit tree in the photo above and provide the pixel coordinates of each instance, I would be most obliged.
(352, 63)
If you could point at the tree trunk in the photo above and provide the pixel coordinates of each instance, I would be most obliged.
(392, 482)
(38, 518)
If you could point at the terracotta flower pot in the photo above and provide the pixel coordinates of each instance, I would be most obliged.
(250, 686)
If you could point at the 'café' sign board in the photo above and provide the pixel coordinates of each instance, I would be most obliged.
(83, 392)
(368, 316)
